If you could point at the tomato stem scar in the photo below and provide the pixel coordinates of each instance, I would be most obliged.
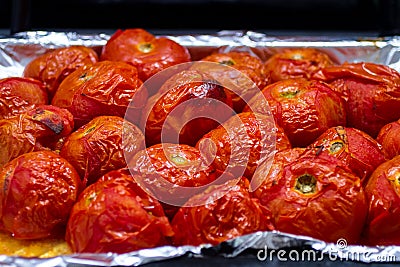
(306, 184)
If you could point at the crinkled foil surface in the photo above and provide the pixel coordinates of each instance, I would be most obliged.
(17, 50)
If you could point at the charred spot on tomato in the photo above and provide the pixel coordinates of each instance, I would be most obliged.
(336, 146)
(320, 149)
(229, 62)
(7, 181)
(289, 94)
(91, 129)
(85, 77)
(146, 47)
(50, 119)
(178, 160)
(306, 184)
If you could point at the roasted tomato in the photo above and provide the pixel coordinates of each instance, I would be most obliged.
(304, 109)
(98, 147)
(53, 67)
(296, 63)
(184, 111)
(38, 129)
(250, 66)
(18, 95)
(359, 151)
(313, 195)
(371, 92)
(116, 215)
(383, 196)
(105, 88)
(239, 144)
(389, 138)
(149, 54)
(232, 213)
(38, 192)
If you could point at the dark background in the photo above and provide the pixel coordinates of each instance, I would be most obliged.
(374, 16)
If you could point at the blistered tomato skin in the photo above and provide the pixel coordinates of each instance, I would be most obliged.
(19, 95)
(383, 196)
(116, 215)
(38, 192)
(98, 147)
(53, 67)
(371, 92)
(388, 137)
(149, 54)
(296, 63)
(104, 88)
(304, 109)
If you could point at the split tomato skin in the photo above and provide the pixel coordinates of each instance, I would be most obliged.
(388, 137)
(115, 215)
(39, 190)
(149, 54)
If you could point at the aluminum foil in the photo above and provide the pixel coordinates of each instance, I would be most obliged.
(17, 50)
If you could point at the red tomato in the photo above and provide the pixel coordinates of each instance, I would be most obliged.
(304, 109)
(104, 88)
(383, 196)
(389, 138)
(116, 215)
(38, 192)
(149, 54)
(234, 214)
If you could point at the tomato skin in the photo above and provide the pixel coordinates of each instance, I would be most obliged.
(97, 147)
(245, 131)
(53, 67)
(296, 63)
(382, 193)
(360, 152)
(159, 52)
(232, 215)
(40, 189)
(304, 109)
(334, 208)
(371, 92)
(104, 88)
(38, 129)
(116, 215)
(388, 137)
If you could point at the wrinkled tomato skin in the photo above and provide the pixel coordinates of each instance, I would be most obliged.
(38, 129)
(53, 67)
(38, 192)
(335, 207)
(304, 109)
(383, 196)
(388, 137)
(192, 103)
(232, 215)
(104, 88)
(244, 131)
(296, 63)
(159, 52)
(98, 147)
(359, 151)
(19, 95)
(116, 215)
(371, 92)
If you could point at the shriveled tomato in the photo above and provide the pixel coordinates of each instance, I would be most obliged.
(37, 129)
(149, 54)
(389, 138)
(371, 92)
(232, 213)
(304, 109)
(104, 88)
(98, 147)
(116, 215)
(314, 195)
(240, 143)
(296, 63)
(19, 95)
(383, 196)
(355, 148)
(53, 67)
(38, 192)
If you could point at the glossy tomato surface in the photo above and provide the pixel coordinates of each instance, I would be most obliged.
(104, 88)
(149, 54)
(116, 215)
(389, 138)
(38, 192)
(98, 147)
